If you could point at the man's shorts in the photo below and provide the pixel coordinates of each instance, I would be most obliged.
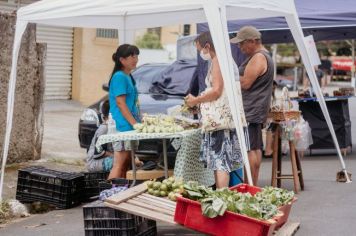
(255, 136)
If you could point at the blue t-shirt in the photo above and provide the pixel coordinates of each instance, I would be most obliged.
(122, 84)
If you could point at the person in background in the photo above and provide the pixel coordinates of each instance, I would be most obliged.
(321, 80)
(326, 67)
(103, 160)
(256, 78)
(271, 128)
(220, 149)
(124, 107)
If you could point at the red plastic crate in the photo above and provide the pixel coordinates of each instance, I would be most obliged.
(244, 188)
(188, 213)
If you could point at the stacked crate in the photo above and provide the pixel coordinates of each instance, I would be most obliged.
(91, 183)
(57, 188)
(100, 220)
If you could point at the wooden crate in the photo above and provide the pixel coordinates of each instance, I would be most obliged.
(147, 174)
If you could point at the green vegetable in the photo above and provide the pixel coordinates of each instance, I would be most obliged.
(163, 193)
(164, 187)
(264, 205)
(156, 193)
(156, 185)
(149, 184)
(151, 191)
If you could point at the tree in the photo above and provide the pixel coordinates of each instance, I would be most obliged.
(149, 40)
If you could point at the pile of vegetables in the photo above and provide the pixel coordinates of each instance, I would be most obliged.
(170, 188)
(264, 205)
(186, 109)
(158, 124)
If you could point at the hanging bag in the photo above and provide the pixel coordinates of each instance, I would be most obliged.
(215, 115)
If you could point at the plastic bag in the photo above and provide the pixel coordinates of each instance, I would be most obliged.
(302, 136)
(285, 146)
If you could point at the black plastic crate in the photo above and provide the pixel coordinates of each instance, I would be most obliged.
(61, 189)
(100, 220)
(91, 183)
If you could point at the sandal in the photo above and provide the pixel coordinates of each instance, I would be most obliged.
(149, 165)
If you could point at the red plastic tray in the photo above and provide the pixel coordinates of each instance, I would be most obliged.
(188, 213)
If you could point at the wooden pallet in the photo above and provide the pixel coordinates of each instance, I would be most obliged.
(137, 202)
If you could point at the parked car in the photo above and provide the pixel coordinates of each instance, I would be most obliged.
(160, 86)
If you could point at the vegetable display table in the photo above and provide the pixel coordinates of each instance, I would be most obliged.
(187, 165)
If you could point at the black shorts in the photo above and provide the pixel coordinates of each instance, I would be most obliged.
(255, 136)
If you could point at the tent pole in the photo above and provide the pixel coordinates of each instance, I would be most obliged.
(19, 31)
(274, 57)
(353, 79)
(218, 29)
(295, 69)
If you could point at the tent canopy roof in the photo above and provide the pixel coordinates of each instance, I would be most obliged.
(137, 14)
(324, 19)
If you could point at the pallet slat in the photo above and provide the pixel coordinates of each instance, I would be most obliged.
(151, 207)
(130, 193)
(156, 201)
(160, 199)
(156, 204)
(149, 214)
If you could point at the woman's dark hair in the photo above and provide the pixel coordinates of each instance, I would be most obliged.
(105, 109)
(205, 38)
(124, 50)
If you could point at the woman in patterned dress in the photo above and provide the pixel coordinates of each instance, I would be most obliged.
(220, 149)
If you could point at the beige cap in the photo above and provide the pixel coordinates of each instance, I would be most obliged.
(246, 32)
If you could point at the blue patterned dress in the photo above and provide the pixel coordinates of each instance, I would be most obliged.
(220, 150)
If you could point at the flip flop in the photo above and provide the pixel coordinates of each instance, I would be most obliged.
(149, 165)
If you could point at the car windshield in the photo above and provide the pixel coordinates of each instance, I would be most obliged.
(145, 75)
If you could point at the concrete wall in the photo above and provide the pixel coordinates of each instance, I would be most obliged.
(27, 131)
(92, 65)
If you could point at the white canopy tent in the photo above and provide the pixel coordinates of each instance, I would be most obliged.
(129, 15)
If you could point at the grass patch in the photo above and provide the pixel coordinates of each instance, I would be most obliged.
(4, 211)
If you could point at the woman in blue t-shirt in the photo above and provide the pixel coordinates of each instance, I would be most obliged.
(124, 108)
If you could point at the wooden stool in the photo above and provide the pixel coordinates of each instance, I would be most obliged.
(277, 176)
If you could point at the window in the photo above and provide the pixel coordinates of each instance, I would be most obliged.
(107, 33)
(186, 30)
(156, 30)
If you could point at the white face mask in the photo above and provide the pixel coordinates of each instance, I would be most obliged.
(204, 56)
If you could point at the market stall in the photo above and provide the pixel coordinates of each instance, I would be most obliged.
(246, 208)
(128, 15)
